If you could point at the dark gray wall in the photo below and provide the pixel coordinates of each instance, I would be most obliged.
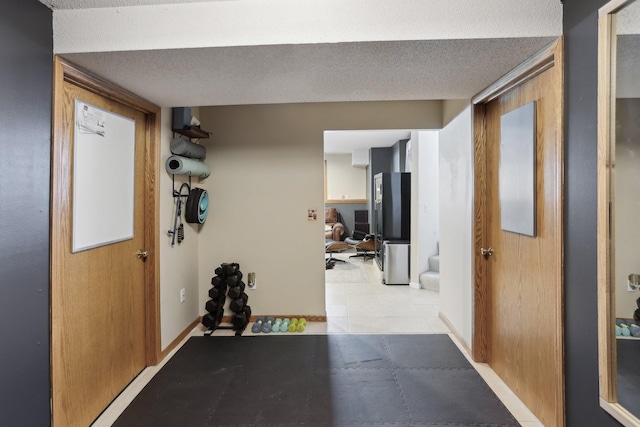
(347, 215)
(380, 160)
(26, 46)
(399, 156)
(581, 314)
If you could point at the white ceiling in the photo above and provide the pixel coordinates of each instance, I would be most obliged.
(232, 52)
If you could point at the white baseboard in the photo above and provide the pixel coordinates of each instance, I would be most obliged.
(414, 285)
(453, 330)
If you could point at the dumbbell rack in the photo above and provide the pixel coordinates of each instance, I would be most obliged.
(227, 282)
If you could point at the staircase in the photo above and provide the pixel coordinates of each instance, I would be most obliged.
(430, 279)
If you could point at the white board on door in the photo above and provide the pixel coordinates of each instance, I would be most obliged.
(103, 177)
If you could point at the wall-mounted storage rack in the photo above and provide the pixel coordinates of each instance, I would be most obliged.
(178, 230)
(193, 132)
(185, 159)
(178, 193)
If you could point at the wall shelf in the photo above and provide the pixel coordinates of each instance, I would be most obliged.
(193, 132)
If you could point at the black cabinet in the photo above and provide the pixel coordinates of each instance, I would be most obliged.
(361, 223)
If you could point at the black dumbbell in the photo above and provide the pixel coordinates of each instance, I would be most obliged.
(217, 291)
(220, 272)
(213, 305)
(240, 320)
(234, 279)
(214, 293)
(235, 291)
(231, 268)
(211, 321)
(237, 304)
(218, 281)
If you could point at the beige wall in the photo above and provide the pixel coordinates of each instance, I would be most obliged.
(451, 108)
(178, 264)
(267, 170)
(343, 180)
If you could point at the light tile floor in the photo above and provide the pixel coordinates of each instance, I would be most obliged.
(360, 308)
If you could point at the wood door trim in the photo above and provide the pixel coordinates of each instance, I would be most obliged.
(479, 344)
(538, 63)
(93, 83)
(550, 57)
(558, 63)
(69, 72)
(606, 299)
(612, 7)
(620, 413)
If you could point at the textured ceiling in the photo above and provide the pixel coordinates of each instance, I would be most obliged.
(177, 53)
(628, 67)
(371, 71)
(231, 52)
(628, 19)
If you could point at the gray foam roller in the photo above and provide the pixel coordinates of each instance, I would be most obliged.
(184, 148)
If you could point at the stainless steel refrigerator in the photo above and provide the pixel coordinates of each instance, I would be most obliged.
(392, 210)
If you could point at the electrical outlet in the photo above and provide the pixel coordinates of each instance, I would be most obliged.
(183, 295)
(252, 281)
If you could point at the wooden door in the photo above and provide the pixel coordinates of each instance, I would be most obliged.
(98, 295)
(522, 291)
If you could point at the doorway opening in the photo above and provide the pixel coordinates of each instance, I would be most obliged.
(360, 296)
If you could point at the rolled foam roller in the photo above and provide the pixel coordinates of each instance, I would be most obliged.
(183, 166)
(184, 148)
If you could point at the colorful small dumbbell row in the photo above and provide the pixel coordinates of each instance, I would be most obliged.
(278, 325)
(627, 329)
(289, 325)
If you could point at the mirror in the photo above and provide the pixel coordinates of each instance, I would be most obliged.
(619, 209)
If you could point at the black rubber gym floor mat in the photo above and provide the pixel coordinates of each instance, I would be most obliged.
(317, 380)
(628, 355)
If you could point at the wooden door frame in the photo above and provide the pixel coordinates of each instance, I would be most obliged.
(65, 71)
(545, 59)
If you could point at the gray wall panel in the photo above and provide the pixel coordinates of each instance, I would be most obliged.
(26, 44)
(581, 314)
(380, 160)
